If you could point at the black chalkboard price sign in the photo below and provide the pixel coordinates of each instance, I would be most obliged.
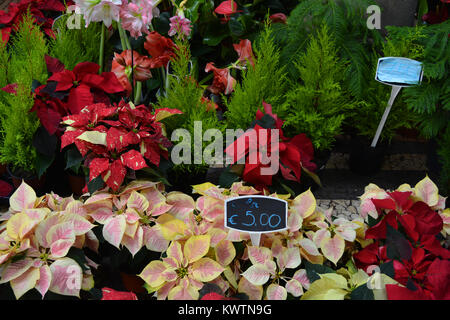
(256, 214)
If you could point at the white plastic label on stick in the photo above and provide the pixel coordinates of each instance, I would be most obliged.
(256, 215)
(397, 72)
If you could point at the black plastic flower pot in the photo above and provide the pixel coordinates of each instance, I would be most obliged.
(19, 175)
(364, 159)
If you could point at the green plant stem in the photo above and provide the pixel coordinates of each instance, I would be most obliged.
(137, 96)
(102, 48)
(123, 38)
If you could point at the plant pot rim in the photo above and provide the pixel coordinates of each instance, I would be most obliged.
(26, 176)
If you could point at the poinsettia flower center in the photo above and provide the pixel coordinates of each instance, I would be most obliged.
(44, 256)
(182, 272)
(198, 219)
(413, 272)
(14, 244)
(75, 83)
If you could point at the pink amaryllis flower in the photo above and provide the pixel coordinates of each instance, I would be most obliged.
(136, 16)
(100, 10)
(180, 26)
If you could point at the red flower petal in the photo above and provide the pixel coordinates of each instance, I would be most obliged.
(227, 8)
(65, 80)
(85, 68)
(70, 137)
(111, 294)
(79, 98)
(110, 83)
(117, 139)
(54, 65)
(97, 167)
(114, 176)
(5, 188)
(133, 160)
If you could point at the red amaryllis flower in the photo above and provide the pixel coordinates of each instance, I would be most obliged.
(125, 67)
(373, 254)
(223, 81)
(84, 85)
(13, 17)
(278, 18)
(161, 49)
(245, 52)
(111, 294)
(227, 8)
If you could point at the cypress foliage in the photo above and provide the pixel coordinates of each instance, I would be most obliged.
(346, 20)
(317, 103)
(72, 46)
(24, 63)
(185, 94)
(266, 81)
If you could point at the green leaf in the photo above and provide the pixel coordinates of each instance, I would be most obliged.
(397, 247)
(362, 293)
(236, 27)
(227, 178)
(74, 159)
(43, 162)
(95, 184)
(388, 269)
(313, 270)
(96, 293)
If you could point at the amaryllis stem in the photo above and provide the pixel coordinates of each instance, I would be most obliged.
(102, 48)
(137, 97)
(122, 40)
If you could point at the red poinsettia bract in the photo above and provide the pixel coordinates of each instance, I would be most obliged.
(85, 86)
(14, 15)
(425, 272)
(294, 153)
(114, 138)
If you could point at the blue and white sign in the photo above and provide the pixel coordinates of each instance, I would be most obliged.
(402, 72)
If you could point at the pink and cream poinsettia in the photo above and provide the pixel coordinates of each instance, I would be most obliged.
(332, 235)
(130, 218)
(42, 238)
(265, 268)
(183, 272)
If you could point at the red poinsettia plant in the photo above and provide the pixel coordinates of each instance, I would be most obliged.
(38, 9)
(117, 138)
(67, 92)
(294, 154)
(407, 226)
